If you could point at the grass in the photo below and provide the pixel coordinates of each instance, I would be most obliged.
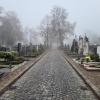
(8, 63)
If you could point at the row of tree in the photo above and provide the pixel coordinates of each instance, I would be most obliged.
(11, 30)
(54, 28)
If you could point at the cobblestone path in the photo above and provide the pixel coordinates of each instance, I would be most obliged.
(52, 78)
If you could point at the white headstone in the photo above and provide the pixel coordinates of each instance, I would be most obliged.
(86, 48)
(98, 50)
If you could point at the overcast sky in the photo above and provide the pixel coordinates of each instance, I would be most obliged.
(86, 13)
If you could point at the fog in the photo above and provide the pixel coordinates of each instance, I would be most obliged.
(85, 13)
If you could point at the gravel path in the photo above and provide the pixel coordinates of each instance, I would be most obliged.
(52, 78)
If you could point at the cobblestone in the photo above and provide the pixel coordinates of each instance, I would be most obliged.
(52, 78)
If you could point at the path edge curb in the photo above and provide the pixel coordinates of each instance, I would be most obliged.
(22, 73)
(95, 90)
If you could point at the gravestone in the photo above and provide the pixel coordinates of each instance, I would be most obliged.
(80, 52)
(19, 48)
(98, 50)
(86, 46)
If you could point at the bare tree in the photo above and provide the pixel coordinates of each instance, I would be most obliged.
(55, 27)
(33, 36)
(11, 30)
(45, 29)
(61, 26)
